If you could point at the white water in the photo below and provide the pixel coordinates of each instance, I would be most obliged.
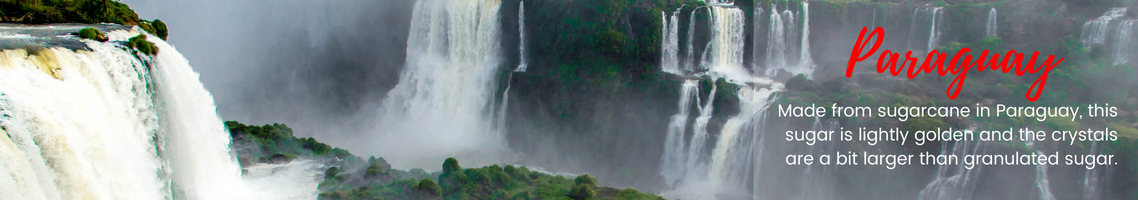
(699, 138)
(790, 30)
(954, 182)
(1091, 190)
(105, 124)
(912, 29)
(934, 34)
(755, 38)
(732, 156)
(672, 168)
(742, 134)
(522, 37)
(441, 106)
(820, 179)
(1122, 44)
(1042, 182)
(776, 45)
(1094, 31)
(670, 52)
(805, 61)
(783, 42)
(990, 31)
(691, 34)
(725, 55)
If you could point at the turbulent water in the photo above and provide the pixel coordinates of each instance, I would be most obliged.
(102, 122)
(441, 106)
(688, 167)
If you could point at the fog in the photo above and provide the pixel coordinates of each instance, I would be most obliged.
(318, 66)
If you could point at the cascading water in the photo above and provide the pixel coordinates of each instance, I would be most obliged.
(1042, 182)
(101, 122)
(672, 168)
(783, 42)
(690, 60)
(669, 55)
(954, 181)
(776, 45)
(1091, 190)
(820, 179)
(727, 41)
(1122, 44)
(735, 150)
(695, 158)
(991, 28)
(1094, 31)
(805, 61)
(912, 29)
(755, 38)
(450, 78)
(790, 30)
(521, 37)
(934, 34)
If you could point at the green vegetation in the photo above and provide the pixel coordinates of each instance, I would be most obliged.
(93, 34)
(276, 140)
(491, 182)
(76, 11)
(156, 27)
(353, 178)
(67, 11)
(140, 44)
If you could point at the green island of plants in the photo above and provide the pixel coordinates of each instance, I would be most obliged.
(352, 177)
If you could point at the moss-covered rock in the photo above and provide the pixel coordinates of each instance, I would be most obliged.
(140, 44)
(92, 34)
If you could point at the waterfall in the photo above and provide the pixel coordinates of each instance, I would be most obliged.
(805, 62)
(820, 181)
(1094, 31)
(442, 104)
(776, 45)
(912, 29)
(674, 146)
(755, 38)
(873, 22)
(934, 35)
(790, 30)
(102, 122)
(1042, 182)
(726, 52)
(669, 55)
(522, 37)
(691, 38)
(1091, 191)
(954, 181)
(699, 136)
(991, 26)
(733, 156)
(1122, 44)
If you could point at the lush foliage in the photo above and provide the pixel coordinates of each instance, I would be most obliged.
(92, 34)
(277, 140)
(68, 11)
(491, 182)
(140, 44)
